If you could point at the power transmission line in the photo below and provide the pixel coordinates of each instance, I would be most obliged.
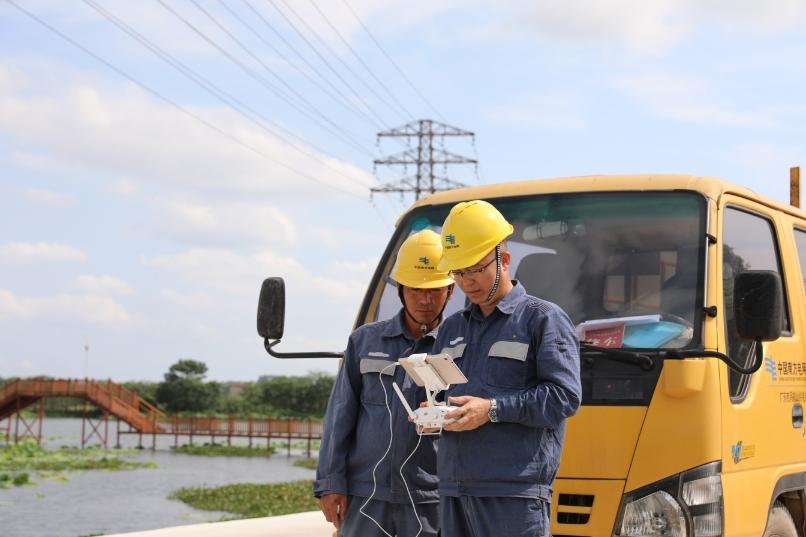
(327, 63)
(394, 64)
(344, 135)
(170, 102)
(217, 92)
(407, 114)
(343, 101)
(424, 157)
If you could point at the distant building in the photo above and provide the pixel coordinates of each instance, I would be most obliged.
(266, 378)
(234, 389)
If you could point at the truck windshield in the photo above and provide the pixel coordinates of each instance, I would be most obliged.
(627, 267)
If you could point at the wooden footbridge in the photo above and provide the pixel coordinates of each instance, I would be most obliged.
(142, 418)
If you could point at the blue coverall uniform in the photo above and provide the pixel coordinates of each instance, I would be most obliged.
(356, 436)
(496, 480)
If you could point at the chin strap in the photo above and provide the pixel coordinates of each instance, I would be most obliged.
(497, 274)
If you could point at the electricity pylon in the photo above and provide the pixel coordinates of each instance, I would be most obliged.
(425, 156)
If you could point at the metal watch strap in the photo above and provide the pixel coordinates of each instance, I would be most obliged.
(493, 413)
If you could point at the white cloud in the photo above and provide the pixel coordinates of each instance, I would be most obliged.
(86, 122)
(123, 187)
(687, 100)
(195, 300)
(103, 285)
(647, 26)
(223, 270)
(756, 17)
(557, 111)
(219, 269)
(48, 197)
(335, 238)
(39, 252)
(224, 222)
(63, 307)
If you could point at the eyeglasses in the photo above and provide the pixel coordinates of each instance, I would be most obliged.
(471, 272)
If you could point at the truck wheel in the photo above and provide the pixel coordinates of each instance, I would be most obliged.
(780, 523)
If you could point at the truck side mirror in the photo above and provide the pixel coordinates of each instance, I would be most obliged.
(758, 305)
(271, 309)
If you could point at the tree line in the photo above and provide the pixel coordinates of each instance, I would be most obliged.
(184, 390)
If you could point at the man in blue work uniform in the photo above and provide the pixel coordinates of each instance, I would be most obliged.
(497, 461)
(358, 481)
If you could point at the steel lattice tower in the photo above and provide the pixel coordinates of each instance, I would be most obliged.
(425, 156)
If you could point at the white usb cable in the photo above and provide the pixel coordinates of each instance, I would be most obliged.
(389, 447)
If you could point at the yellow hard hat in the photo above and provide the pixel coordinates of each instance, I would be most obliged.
(471, 230)
(416, 264)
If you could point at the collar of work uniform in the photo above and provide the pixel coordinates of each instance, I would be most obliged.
(505, 305)
(398, 328)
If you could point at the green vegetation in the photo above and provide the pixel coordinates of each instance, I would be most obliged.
(17, 460)
(184, 389)
(308, 462)
(220, 450)
(250, 500)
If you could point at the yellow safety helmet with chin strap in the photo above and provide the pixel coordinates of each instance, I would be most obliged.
(416, 264)
(471, 230)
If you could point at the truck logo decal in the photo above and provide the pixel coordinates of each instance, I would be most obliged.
(741, 452)
(769, 365)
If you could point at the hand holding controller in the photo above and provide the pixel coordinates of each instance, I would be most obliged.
(434, 373)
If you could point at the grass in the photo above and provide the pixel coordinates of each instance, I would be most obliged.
(251, 500)
(220, 450)
(309, 463)
(301, 445)
(16, 461)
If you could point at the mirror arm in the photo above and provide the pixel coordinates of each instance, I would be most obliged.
(679, 355)
(270, 344)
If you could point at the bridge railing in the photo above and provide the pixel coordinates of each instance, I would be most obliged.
(232, 426)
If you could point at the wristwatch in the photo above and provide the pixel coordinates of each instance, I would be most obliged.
(493, 413)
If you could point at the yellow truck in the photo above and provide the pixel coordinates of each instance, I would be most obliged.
(689, 297)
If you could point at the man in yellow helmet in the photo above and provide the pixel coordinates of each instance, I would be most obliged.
(497, 461)
(359, 481)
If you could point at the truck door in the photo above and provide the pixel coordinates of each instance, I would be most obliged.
(757, 425)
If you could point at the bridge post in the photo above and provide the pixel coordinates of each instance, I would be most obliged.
(310, 434)
(28, 431)
(288, 428)
(117, 441)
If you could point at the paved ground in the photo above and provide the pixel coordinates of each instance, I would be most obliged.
(310, 524)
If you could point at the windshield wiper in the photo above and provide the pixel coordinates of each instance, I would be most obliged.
(591, 352)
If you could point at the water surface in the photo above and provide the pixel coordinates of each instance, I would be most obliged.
(97, 501)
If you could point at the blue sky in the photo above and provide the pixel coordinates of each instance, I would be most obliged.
(144, 215)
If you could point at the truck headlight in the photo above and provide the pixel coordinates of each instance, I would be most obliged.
(689, 503)
(656, 514)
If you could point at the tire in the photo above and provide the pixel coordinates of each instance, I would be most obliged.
(780, 523)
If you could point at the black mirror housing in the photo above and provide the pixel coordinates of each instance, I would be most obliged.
(271, 309)
(758, 305)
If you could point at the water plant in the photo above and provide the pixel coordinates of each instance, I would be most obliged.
(308, 462)
(221, 450)
(16, 460)
(252, 500)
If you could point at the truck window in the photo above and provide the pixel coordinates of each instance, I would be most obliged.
(800, 243)
(631, 258)
(748, 244)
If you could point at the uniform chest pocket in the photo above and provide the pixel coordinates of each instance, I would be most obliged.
(506, 364)
(372, 371)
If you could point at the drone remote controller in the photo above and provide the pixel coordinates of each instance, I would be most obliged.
(433, 417)
(426, 417)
